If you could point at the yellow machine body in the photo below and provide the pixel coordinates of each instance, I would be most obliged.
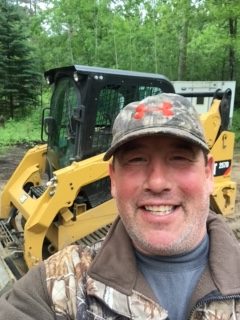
(39, 213)
(222, 149)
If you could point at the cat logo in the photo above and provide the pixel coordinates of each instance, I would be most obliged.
(222, 168)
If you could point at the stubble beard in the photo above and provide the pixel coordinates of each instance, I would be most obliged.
(186, 242)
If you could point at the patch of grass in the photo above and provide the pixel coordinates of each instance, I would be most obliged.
(27, 130)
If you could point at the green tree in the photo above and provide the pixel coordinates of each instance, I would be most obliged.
(20, 80)
(227, 14)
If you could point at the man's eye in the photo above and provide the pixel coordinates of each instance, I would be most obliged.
(137, 160)
(181, 158)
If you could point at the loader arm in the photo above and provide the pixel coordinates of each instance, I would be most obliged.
(221, 144)
(50, 215)
(28, 173)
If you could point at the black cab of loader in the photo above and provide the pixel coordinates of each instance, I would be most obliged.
(84, 104)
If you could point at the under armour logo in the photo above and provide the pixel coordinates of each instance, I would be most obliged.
(165, 108)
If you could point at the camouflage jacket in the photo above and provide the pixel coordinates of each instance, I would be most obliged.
(78, 283)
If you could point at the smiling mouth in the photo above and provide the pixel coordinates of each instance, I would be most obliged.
(160, 210)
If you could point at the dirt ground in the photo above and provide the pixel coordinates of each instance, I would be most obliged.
(9, 160)
(12, 156)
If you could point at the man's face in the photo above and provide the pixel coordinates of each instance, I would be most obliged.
(162, 187)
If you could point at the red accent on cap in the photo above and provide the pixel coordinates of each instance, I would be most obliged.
(140, 111)
(167, 109)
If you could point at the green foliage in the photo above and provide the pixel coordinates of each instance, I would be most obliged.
(155, 36)
(236, 125)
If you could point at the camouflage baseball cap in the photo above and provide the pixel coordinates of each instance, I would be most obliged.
(166, 113)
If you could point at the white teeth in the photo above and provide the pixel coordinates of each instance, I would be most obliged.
(159, 210)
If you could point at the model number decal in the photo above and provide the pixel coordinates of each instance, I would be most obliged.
(222, 167)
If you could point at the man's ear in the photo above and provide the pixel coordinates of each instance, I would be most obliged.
(210, 172)
(112, 178)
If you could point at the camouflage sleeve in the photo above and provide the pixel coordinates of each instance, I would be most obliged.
(28, 299)
(65, 276)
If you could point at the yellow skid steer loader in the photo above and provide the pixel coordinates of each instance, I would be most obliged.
(60, 192)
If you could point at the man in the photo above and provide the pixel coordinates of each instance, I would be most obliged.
(166, 256)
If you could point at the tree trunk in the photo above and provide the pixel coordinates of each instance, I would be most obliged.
(232, 54)
(183, 42)
(11, 107)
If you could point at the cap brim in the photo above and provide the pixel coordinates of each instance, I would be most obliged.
(155, 131)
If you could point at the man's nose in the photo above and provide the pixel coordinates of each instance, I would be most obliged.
(158, 177)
